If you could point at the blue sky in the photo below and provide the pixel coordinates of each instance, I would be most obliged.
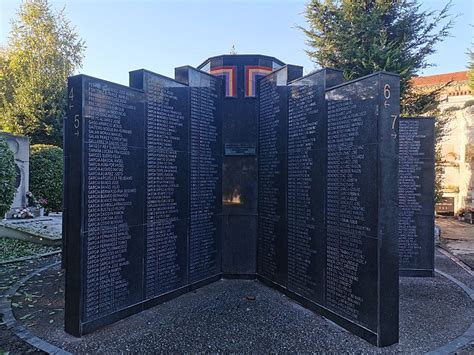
(160, 35)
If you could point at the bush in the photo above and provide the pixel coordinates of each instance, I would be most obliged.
(7, 177)
(46, 175)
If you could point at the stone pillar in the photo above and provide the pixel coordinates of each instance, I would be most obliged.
(20, 146)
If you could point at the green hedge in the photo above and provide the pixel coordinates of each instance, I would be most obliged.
(7, 177)
(46, 174)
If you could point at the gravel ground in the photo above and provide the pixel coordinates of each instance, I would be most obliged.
(219, 317)
(9, 274)
(444, 263)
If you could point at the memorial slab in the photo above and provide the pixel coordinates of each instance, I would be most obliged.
(166, 180)
(103, 195)
(240, 161)
(341, 176)
(307, 171)
(244, 169)
(416, 196)
(272, 253)
(142, 193)
(205, 172)
(361, 209)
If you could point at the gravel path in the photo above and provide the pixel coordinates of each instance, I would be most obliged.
(220, 317)
(9, 274)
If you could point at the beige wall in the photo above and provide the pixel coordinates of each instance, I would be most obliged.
(458, 151)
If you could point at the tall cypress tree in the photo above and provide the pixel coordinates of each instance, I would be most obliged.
(364, 36)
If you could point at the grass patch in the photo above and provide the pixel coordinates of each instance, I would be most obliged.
(13, 248)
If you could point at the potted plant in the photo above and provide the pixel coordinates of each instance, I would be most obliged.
(42, 203)
(38, 204)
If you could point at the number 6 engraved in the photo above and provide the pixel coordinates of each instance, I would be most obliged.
(386, 91)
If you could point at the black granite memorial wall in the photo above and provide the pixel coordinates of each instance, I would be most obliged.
(416, 196)
(167, 182)
(143, 193)
(166, 177)
(342, 213)
(362, 214)
(272, 173)
(205, 172)
(240, 161)
(307, 171)
(104, 216)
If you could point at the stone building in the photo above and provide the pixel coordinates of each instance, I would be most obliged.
(458, 145)
(20, 146)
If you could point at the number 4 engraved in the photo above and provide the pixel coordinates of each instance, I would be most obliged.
(71, 98)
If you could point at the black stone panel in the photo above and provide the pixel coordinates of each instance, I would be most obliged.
(107, 143)
(72, 203)
(113, 187)
(416, 196)
(307, 170)
(362, 214)
(65, 186)
(166, 256)
(113, 273)
(240, 140)
(205, 172)
(144, 179)
(272, 252)
(239, 245)
(167, 181)
(350, 263)
(154, 189)
(307, 124)
(204, 247)
(342, 211)
(113, 192)
(167, 111)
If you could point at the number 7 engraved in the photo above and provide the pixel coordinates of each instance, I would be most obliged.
(394, 134)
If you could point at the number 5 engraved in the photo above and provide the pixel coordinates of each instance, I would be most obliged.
(76, 125)
(76, 121)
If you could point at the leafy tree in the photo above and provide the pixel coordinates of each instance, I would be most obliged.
(7, 177)
(42, 51)
(365, 36)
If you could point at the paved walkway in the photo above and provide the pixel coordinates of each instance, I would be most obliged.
(458, 238)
